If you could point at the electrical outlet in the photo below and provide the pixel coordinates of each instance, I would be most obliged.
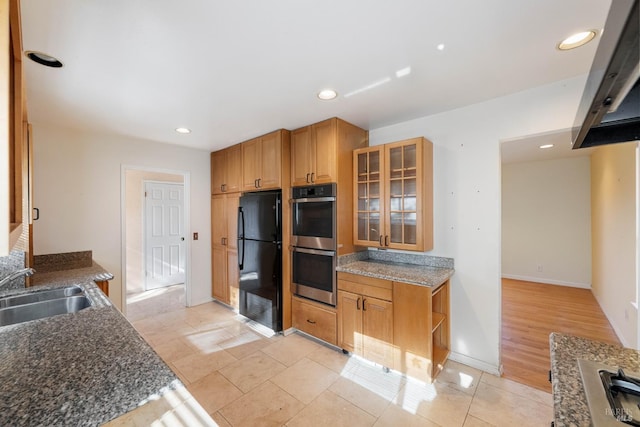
(539, 268)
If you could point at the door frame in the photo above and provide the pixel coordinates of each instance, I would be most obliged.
(186, 177)
(144, 222)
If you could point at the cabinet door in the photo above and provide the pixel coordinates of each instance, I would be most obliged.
(377, 331)
(271, 161)
(219, 285)
(218, 171)
(324, 152)
(368, 196)
(231, 204)
(251, 164)
(233, 279)
(350, 322)
(234, 169)
(404, 184)
(301, 156)
(218, 220)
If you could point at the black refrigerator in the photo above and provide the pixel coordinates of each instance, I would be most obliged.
(260, 257)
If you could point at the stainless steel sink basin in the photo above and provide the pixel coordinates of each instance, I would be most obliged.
(42, 309)
(39, 296)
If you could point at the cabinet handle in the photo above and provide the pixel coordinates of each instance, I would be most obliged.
(364, 307)
(386, 240)
(259, 183)
(223, 241)
(312, 177)
(381, 236)
(311, 321)
(358, 304)
(308, 178)
(37, 216)
(222, 187)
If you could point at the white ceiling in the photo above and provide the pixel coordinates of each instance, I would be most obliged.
(232, 70)
(527, 149)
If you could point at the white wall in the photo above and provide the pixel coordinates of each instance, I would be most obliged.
(467, 199)
(77, 179)
(614, 234)
(546, 221)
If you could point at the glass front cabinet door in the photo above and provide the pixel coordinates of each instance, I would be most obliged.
(394, 195)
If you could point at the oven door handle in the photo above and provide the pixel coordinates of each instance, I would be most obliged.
(314, 251)
(314, 200)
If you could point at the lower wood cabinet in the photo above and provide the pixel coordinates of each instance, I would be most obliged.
(315, 319)
(224, 251)
(365, 313)
(398, 325)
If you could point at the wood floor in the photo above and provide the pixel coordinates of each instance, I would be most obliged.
(530, 312)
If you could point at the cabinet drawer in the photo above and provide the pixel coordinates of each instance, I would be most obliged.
(314, 320)
(376, 288)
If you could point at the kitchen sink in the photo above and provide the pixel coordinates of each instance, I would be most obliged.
(42, 309)
(39, 296)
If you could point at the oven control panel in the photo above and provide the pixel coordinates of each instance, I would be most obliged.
(324, 190)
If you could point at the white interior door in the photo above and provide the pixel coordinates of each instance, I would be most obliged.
(164, 234)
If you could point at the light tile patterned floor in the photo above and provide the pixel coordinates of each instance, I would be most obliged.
(243, 378)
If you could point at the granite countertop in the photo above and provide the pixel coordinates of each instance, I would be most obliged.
(416, 269)
(569, 399)
(84, 368)
(422, 275)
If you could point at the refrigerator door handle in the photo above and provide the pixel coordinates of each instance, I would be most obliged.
(278, 231)
(241, 236)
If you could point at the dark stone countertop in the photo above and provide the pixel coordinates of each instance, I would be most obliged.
(569, 399)
(84, 368)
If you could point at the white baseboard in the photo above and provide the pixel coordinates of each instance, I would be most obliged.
(475, 363)
(617, 330)
(547, 281)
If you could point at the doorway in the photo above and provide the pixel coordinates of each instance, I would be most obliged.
(163, 292)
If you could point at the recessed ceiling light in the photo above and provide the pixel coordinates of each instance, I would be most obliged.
(43, 59)
(546, 146)
(577, 40)
(327, 94)
(183, 130)
(440, 46)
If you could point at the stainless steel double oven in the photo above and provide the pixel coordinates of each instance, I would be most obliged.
(314, 242)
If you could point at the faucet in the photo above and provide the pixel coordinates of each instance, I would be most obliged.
(26, 272)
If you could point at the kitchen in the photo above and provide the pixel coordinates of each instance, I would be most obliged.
(77, 170)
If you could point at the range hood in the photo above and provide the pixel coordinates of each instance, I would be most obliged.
(610, 108)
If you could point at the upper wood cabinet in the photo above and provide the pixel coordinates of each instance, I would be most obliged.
(226, 170)
(262, 161)
(14, 166)
(393, 195)
(316, 151)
